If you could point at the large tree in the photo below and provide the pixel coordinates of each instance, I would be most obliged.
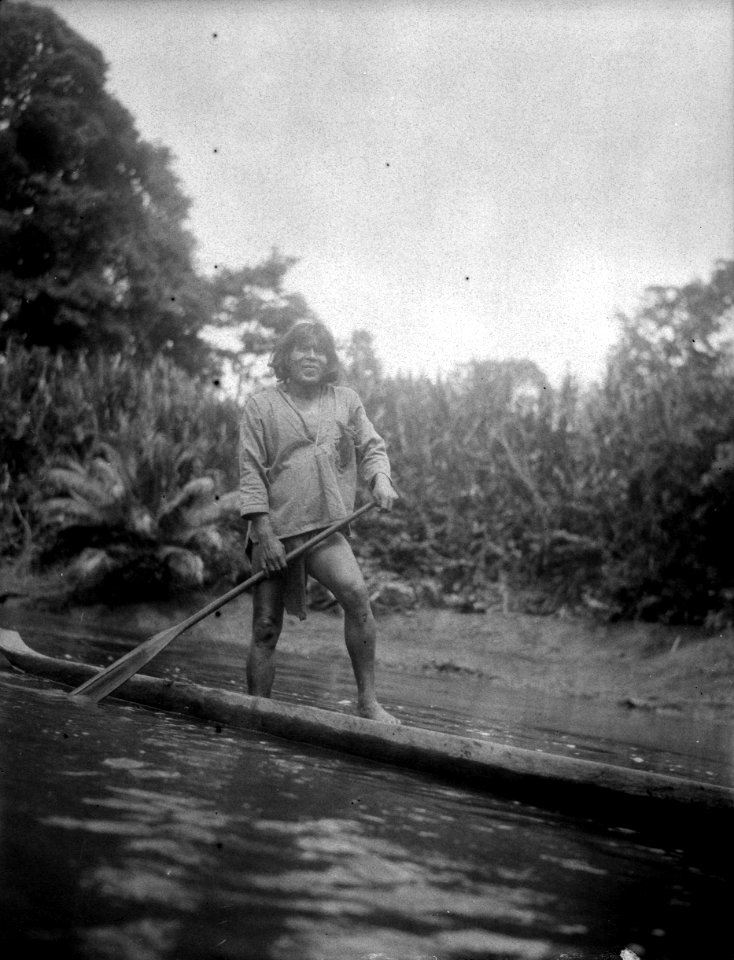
(252, 306)
(93, 248)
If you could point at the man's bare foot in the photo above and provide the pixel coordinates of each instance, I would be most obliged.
(374, 711)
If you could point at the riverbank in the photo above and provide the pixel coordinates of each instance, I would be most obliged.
(686, 670)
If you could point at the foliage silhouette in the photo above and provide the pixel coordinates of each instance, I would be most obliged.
(93, 249)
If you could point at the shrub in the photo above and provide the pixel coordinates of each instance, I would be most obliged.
(127, 440)
(123, 546)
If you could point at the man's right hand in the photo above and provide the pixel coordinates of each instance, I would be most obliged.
(272, 550)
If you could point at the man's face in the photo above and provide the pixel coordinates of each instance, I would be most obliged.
(308, 363)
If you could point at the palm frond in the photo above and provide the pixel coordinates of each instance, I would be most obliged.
(108, 476)
(196, 493)
(185, 567)
(79, 486)
(224, 507)
(60, 509)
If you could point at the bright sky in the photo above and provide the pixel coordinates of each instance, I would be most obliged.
(462, 178)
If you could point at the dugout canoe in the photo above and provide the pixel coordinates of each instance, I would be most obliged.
(585, 788)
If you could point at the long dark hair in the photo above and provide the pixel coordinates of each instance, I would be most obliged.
(302, 332)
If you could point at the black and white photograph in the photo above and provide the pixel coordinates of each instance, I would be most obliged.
(366, 479)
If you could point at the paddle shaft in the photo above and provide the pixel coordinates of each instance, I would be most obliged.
(262, 574)
(109, 679)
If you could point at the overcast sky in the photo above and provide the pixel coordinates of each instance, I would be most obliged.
(475, 178)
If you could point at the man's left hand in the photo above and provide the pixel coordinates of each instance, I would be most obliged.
(383, 492)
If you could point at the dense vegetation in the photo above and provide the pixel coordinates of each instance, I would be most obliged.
(619, 496)
(118, 445)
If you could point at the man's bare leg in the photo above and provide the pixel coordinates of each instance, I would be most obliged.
(333, 564)
(267, 622)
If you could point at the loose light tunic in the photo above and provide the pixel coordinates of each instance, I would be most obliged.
(306, 481)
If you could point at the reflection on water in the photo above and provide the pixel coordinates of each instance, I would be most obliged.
(134, 834)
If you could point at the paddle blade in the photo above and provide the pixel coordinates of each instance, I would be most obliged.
(116, 674)
(112, 677)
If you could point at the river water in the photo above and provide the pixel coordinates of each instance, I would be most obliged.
(130, 833)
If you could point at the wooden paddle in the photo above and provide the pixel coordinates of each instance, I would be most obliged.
(112, 677)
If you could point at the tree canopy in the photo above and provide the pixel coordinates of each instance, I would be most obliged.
(93, 248)
(252, 304)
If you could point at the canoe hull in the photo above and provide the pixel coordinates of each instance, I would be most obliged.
(567, 785)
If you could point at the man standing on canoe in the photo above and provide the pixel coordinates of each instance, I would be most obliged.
(303, 443)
